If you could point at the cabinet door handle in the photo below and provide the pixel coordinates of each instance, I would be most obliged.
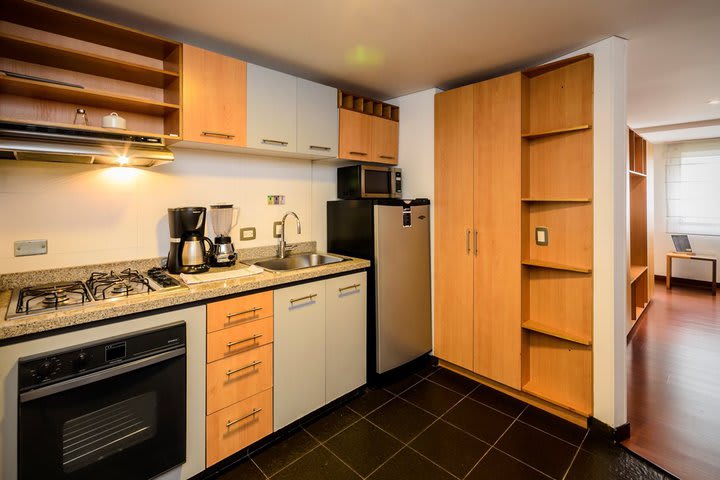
(349, 287)
(387, 157)
(358, 153)
(238, 342)
(318, 147)
(229, 136)
(244, 367)
(306, 297)
(252, 310)
(279, 143)
(476, 242)
(467, 241)
(230, 423)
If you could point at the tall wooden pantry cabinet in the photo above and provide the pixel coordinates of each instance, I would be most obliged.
(513, 233)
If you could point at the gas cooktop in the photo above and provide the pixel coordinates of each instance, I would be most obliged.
(101, 286)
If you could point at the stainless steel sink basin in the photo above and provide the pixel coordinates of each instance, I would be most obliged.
(296, 262)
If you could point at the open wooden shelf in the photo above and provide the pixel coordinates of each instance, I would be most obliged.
(535, 388)
(83, 96)
(555, 266)
(32, 51)
(637, 174)
(362, 104)
(169, 139)
(532, 135)
(558, 200)
(556, 332)
(636, 271)
(549, 67)
(57, 20)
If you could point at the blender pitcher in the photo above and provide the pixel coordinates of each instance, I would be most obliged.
(224, 217)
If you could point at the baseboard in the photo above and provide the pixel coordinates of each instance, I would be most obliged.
(615, 434)
(685, 282)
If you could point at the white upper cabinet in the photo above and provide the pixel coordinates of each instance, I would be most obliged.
(271, 110)
(317, 119)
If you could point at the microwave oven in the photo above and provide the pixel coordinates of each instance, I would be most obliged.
(365, 181)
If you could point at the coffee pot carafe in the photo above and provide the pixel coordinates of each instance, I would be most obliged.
(224, 217)
(188, 252)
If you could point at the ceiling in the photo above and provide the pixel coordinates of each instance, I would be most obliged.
(388, 48)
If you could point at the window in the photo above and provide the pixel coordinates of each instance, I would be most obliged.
(692, 176)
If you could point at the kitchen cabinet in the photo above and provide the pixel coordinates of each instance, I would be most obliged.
(317, 119)
(214, 98)
(477, 219)
(385, 138)
(271, 110)
(355, 136)
(345, 334)
(299, 351)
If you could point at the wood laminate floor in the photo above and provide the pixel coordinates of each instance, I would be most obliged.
(674, 383)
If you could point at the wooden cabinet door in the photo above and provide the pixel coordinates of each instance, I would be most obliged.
(497, 223)
(385, 138)
(299, 358)
(453, 226)
(345, 334)
(214, 98)
(272, 110)
(355, 137)
(317, 119)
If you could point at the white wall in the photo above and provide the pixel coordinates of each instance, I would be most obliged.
(93, 214)
(663, 243)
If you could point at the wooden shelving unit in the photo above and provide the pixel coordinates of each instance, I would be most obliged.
(368, 106)
(639, 277)
(119, 69)
(557, 194)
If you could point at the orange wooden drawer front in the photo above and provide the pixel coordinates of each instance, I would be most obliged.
(232, 312)
(240, 338)
(244, 380)
(224, 440)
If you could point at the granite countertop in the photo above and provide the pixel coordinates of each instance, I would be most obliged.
(134, 304)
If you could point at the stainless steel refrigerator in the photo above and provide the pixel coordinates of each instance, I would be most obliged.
(394, 235)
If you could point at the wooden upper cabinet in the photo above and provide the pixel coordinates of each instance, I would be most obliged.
(272, 110)
(317, 119)
(214, 98)
(355, 138)
(454, 250)
(385, 137)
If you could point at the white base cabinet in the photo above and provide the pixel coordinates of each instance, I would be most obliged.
(320, 344)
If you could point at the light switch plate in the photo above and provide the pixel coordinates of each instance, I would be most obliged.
(24, 248)
(541, 236)
(247, 233)
(276, 229)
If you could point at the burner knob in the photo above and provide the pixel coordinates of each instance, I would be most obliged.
(45, 369)
(82, 360)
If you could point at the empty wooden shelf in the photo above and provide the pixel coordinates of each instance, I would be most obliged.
(556, 131)
(558, 200)
(555, 332)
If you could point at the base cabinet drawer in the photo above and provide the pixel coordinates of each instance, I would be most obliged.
(238, 339)
(238, 426)
(235, 311)
(238, 377)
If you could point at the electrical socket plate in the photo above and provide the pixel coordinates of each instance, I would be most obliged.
(541, 236)
(24, 248)
(247, 233)
(276, 199)
(276, 229)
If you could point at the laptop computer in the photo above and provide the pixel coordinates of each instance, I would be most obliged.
(682, 244)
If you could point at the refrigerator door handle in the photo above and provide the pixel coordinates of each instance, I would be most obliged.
(476, 242)
(467, 241)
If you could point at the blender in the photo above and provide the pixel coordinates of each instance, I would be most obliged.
(224, 217)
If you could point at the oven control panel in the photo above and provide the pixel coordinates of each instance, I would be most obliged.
(51, 367)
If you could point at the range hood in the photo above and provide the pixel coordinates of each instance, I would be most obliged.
(19, 141)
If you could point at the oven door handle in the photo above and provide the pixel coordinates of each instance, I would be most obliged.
(101, 375)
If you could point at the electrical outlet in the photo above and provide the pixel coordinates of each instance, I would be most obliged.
(276, 229)
(247, 233)
(541, 236)
(25, 248)
(276, 199)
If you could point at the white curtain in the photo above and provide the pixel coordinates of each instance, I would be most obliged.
(692, 176)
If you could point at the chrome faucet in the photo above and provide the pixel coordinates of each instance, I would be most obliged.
(283, 247)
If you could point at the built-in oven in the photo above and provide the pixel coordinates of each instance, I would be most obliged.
(366, 181)
(111, 409)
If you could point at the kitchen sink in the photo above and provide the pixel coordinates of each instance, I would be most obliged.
(296, 262)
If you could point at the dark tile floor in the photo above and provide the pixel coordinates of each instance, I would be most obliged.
(434, 424)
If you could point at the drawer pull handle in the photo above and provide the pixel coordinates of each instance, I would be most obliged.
(279, 143)
(229, 136)
(252, 310)
(244, 367)
(238, 342)
(387, 157)
(319, 147)
(230, 423)
(306, 297)
(358, 153)
(349, 287)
